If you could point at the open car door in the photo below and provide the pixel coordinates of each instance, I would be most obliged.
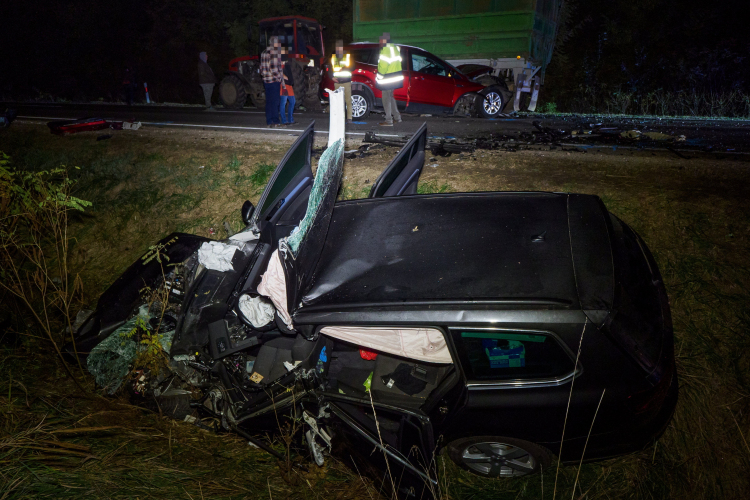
(284, 201)
(402, 174)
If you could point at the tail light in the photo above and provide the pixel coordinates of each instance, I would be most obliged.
(647, 403)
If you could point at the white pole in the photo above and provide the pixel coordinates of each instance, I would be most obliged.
(336, 129)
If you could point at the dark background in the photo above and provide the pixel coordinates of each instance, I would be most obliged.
(606, 50)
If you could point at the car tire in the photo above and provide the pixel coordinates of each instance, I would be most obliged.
(361, 104)
(490, 102)
(496, 456)
(232, 92)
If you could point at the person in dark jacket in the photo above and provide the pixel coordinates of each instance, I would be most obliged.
(287, 93)
(206, 79)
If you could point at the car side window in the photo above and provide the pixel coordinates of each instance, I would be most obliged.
(361, 56)
(508, 355)
(422, 63)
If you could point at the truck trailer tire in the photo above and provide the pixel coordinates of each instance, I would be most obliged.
(232, 92)
(490, 102)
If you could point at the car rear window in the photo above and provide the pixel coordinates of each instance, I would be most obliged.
(493, 355)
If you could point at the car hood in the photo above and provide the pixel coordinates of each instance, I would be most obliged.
(516, 248)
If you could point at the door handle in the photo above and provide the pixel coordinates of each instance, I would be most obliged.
(459, 85)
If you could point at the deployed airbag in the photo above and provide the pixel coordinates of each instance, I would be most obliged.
(259, 311)
(423, 344)
(216, 255)
(273, 286)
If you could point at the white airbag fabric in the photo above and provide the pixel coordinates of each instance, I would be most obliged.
(216, 255)
(259, 311)
(273, 286)
(423, 344)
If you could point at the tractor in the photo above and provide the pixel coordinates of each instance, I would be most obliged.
(303, 39)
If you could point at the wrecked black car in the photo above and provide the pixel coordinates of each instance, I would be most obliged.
(503, 326)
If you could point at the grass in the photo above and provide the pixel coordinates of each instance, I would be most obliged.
(694, 215)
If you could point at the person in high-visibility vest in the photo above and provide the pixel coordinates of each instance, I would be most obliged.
(341, 64)
(388, 78)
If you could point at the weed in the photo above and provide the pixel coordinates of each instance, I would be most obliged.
(234, 164)
(259, 178)
(432, 186)
(34, 245)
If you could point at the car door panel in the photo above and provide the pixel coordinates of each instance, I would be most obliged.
(431, 80)
(401, 176)
(284, 199)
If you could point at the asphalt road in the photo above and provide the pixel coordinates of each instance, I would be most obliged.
(713, 135)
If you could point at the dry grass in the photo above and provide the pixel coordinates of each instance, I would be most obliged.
(694, 215)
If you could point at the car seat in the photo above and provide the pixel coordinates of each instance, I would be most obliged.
(270, 360)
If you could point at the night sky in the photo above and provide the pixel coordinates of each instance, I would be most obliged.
(78, 49)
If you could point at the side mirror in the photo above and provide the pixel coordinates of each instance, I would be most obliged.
(247, 212)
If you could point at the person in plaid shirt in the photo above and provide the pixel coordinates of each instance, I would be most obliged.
(271, 71)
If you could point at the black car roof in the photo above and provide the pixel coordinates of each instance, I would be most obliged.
(444, 248)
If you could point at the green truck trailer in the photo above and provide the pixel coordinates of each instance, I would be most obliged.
(515, 38)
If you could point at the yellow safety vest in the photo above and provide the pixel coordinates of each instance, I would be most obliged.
(341, 68)
(389, 68)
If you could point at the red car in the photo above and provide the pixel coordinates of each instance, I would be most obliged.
(431, 85)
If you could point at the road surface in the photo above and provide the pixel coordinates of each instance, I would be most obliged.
(731, 136)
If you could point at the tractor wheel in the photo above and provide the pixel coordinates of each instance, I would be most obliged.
(232, 92)
(258, 97)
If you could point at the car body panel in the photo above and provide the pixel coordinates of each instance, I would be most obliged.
(284, 200)
(401, 176)
(484, 244)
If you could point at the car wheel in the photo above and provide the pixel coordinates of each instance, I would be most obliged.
(494, 456)
(361, 104)
(232, 92)
(490, 103)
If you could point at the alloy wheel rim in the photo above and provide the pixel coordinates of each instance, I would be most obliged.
(498, 459)
(359, 106)
(492, 103)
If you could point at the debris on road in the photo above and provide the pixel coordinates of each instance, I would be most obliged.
(66, 127)
(579, 137)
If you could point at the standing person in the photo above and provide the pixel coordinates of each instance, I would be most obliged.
(287, 93)
(271, 71)
(129, 85)
(388, 78)
(342, 76)
(206, 79)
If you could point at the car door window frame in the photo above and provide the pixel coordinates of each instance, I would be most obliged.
(475, 384)
(433, 60)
